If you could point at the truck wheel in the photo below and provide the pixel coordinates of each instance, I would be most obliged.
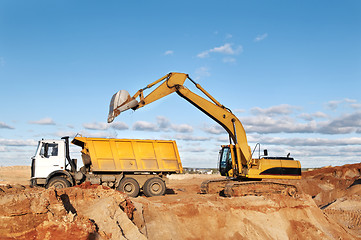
(58, 182)
(154, 187)
(129, 186)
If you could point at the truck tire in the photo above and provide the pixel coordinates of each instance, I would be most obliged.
(129, 186)
(58, 182)
(154, 187)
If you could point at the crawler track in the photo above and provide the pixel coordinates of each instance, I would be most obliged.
(234, 188)
(214, 186)
(237, 189)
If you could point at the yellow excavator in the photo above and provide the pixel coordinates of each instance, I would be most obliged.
(244, 173)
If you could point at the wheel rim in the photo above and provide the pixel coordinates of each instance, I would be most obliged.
(59, 185)
(128, 188)
(155, 187)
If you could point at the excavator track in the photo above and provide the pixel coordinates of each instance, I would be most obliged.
(214, 186)
(237, 189)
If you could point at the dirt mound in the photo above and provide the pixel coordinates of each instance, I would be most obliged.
(71, 213)
(339, 172)
(327, 206)
(337, 191)
(327, 184)
(250, 217)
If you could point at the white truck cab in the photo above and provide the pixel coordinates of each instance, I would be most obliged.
(52, 159)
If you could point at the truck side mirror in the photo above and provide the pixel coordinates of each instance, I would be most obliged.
(265, 152)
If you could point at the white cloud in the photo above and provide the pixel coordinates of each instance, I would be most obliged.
(226, 49)
(214, 129)
(194, 149)
(348, 123)
(307, 141)
(65, 133)
(283, 109)
(335, 103)
(119, 126)
(163, 124)
(168, 52)
(96, 126)
(356, 105)
(43, 121)
(145, 126)
(312, 116)
(261, 37)
(104, 126)
(182, 128)
(229, 60)
(188, 137)
(201, 72)
(18, 142)
(4, 125)
(99, 134)
(267, 124)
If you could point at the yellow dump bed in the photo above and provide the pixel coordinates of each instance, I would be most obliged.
(129, 155)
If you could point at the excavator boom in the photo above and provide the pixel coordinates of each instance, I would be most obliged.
(174, 82)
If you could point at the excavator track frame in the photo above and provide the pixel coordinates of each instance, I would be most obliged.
(238, 189)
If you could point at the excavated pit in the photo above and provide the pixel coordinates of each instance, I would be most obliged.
(328, 206)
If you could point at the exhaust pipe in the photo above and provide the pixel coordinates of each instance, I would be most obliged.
(121, 101)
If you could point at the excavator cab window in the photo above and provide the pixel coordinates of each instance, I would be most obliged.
(225, 161)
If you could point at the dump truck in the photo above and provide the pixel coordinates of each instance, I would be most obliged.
(237, 162)
(129, 165)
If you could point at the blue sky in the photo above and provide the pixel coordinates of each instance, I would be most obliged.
(291, 72)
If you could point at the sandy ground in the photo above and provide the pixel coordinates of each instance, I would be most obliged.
(327, 207)
(15, 175)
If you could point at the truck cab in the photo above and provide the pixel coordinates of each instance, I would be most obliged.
(50, 160)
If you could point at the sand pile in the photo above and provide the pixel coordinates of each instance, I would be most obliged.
(337, 191)
(328, 206)
(71, 213)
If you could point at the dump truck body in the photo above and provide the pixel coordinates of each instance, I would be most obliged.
(129, 165)
(129, 155)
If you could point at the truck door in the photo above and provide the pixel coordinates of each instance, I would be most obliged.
(48, 159)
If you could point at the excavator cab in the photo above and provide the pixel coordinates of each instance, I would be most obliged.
(225, 160)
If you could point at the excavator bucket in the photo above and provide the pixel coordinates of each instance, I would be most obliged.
(121, 101)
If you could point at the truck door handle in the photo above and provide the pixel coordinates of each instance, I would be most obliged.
(56, 165)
